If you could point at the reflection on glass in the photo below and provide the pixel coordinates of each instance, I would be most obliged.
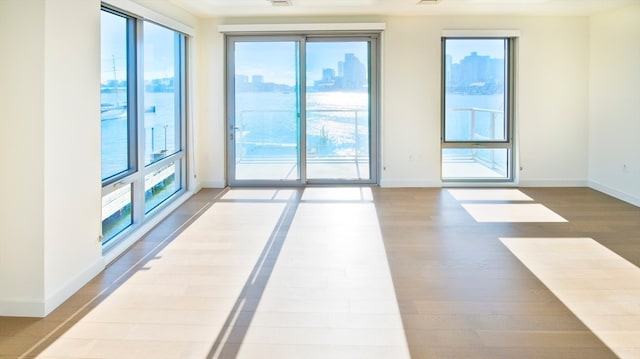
(266, 111)
(161, 92)
(160, 185)
(476, 163)
(113, 95)
(116, 212)
(337, 110)
(475, 90)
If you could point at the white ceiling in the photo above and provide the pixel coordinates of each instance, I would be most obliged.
(224, 8)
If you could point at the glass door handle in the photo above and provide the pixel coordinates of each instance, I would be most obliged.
(232, 132)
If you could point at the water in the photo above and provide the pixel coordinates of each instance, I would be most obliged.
(488, 123)
(337, 125)
(161, 134)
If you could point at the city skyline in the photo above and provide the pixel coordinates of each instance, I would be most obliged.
(480, 71)
(458, 49)
(278, 61)
(349, 74)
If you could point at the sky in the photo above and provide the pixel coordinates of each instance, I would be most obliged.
(158, 55)
(459, 48)
(276, 60)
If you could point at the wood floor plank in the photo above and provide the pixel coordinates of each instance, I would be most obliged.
(423, 278)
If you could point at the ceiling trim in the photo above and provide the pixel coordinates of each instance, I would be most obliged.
(369, 26)
(481, 33)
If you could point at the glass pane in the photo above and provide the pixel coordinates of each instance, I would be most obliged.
(162, 88)
(266, 111)
(113, 95)
(160, 185)
(338, 110)
(476, 163)
(475, 90)
(116, 212)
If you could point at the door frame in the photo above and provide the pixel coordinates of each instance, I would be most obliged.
(373, 40)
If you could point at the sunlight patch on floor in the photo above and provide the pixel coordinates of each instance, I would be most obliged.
(337, 194)
(260, 274)
(331, 294)
(601, 288)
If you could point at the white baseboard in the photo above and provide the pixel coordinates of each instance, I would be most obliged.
(409, 184)
(615, 193)
(29, 307)
(553, 183)
(22, 307)
(213, 184)
(72, 286)
(480, 184)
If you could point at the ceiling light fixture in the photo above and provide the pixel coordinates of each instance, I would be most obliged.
(280, 2)
(428, 2)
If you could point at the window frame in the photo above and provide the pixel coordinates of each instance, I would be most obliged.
(134, 177)
(509, 102)
(370, 33)
(132, 98)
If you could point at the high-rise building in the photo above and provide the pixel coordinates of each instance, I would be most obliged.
(354, 73)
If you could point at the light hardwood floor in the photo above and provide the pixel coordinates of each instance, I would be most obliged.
(362, 273)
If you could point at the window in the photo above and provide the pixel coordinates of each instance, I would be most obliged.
(142, 119)
(477, 110)
(116, 121)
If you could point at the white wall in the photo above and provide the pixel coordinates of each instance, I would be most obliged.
(22, 148)
(210, 125)
(552, 119)
(614, 132)
(50, 219)
(72, 176)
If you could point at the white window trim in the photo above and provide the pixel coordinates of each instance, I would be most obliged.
(480, 33)
(301, 27)
(143, 13)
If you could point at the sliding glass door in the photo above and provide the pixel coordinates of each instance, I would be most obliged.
(301, 110)
(337, 110)
(265, 126)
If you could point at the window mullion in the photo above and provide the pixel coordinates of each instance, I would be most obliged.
(138, 184)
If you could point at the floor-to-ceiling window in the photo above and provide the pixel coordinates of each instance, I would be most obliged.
(142, 119)
(302, 109)
(477, 124)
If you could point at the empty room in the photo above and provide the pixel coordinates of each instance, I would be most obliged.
(320, 179)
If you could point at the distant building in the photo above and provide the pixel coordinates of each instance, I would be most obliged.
(475, 74)
(328, 80)
(328, 75)
(355, 76)
(351, 75)
(258, 84)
